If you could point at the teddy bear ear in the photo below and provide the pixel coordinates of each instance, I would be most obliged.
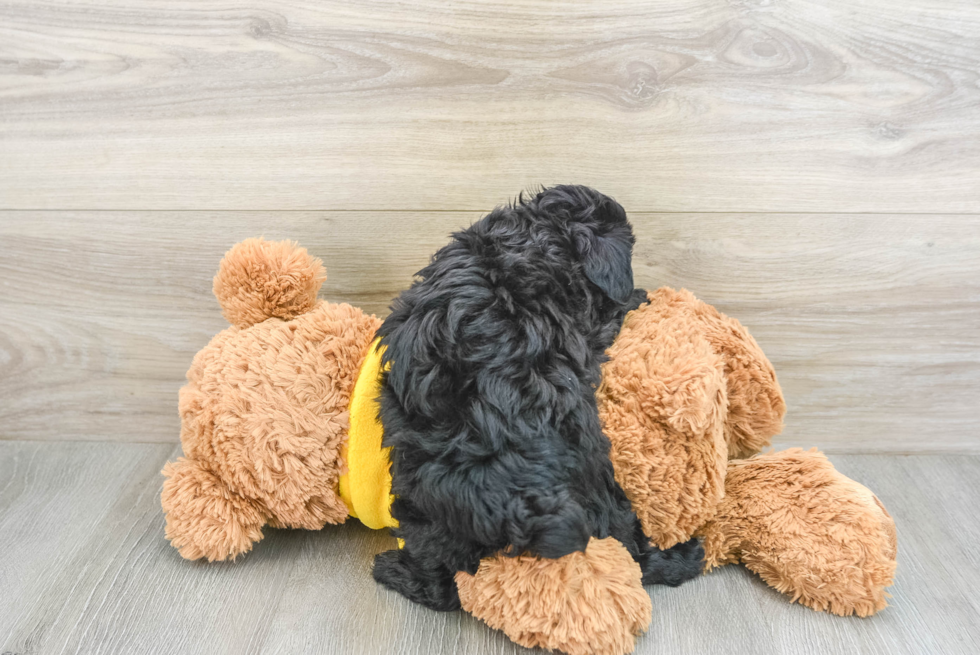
(259, 279)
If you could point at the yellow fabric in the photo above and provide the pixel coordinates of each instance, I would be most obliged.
(366, 487)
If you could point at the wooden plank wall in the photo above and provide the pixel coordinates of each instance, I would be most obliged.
(811, 168)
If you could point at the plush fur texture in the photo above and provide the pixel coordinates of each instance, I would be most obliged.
(489, 403)
(755, 401)
(264, 410)
(259, 279)
(808, 531)
(582, 604)
(687, 387)
(664, 405)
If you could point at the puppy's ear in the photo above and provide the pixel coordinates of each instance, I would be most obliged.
(608, 260)
(601, 233)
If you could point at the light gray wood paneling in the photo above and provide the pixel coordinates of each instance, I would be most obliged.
(101, 313)
(86, 569)
(686, 105)
(872, 321)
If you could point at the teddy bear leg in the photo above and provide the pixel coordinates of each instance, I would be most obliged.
(807, 530)
(205, 519)
(590, 602)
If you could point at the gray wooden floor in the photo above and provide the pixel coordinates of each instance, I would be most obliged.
(85, 569)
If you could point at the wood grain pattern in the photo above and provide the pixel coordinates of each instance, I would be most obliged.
(150, 137)
(871, 321)
(86, 569)
(684, 105)
(55, 502)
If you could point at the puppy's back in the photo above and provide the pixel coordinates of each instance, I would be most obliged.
(488, 400)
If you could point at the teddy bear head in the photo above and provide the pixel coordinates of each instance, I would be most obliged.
(264, 411)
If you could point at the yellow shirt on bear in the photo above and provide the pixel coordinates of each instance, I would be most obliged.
(366, 487)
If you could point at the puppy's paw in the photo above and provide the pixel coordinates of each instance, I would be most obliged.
(675, 565)
(557, 534)
(433, 587)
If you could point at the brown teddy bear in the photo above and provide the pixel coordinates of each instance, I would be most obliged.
(279, 427)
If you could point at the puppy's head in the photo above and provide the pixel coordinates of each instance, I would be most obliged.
(602, 239)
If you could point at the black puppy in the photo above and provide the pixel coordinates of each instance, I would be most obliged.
(489, 402)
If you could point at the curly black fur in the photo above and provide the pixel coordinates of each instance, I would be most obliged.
(489, 402)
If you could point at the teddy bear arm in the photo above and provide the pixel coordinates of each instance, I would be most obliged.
(755, 400)
(806, 530)
(590, 602)
(205, 519)
(663, 405)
